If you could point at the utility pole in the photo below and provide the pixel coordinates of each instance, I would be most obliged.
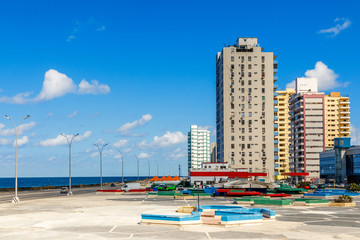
(179, 170)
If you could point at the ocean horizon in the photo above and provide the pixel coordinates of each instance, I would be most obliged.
(27, 182)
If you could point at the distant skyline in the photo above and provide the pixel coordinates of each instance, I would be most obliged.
(136, 75)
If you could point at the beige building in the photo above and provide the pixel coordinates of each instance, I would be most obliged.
(213, 152)
(245, 106)
(282, 132)
(337, 118)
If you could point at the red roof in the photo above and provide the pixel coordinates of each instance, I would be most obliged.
(227, 174)
(156, 178)
(296, 174)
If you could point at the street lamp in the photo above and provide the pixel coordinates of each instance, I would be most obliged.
(100, 152)
(137, 160)
(69, 143)
(16, 199)
(149, 166)
(157, 167)
(122, 167)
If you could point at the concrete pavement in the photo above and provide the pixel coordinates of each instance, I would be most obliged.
(90, 216)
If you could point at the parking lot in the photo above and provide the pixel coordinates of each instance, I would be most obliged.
(90, 216)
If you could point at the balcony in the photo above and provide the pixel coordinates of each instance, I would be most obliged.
(276, 102)
(276, 141)
(276, 150)
(276, 110)
(276, 134)
(275, 70)
(276, 118)
(276, 165)
(275, 87)
(275, 78)
(276, 125)
(276, 157)
(276, 94)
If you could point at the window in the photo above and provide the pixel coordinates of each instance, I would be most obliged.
(242, 138)
(250, 154)
(232, 51)
(250, 114)
(249, 58)
(249, 74)
(250, 138)
(249, 82)
(250, 105)
(249, 90)
(232, 90)
(262, 58)
(232, 146)
(232, 154)
(242, 90)
(263, 98)
(242, 66)
(263, 82)
(250, 130)
(232, 58)
(263, 90)
(232, 138)
(249, 146)
(249, 66)
(242, 58)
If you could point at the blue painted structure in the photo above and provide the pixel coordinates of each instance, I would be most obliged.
(229, 215)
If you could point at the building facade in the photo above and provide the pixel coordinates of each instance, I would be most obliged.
(282, 132)
(307, 129)
(213, 152)
(341, 164)
(198, 147)
(337, 118)
(245, 106)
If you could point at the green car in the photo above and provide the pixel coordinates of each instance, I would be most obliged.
(161, 187)
(170, 187)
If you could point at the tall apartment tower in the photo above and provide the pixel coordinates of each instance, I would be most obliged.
(282, 132)
(245, 106)
(337, 118)
(213, 152)
(307, 129)
(198, 147)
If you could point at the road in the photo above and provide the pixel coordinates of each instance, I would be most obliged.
(6, 197)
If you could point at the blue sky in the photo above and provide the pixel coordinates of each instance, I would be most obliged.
(136, 74)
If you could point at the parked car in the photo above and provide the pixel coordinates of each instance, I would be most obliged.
(112, 185)
(161, 187)
(170, 187)
(64, 190)
(180, 187)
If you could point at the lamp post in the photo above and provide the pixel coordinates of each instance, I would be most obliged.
(122, 167)
(137, 160)
(100, 152)
(149, 166)
(157, 167)
(69, 144)
(16, 198)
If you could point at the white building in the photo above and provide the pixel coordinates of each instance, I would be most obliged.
(198, 147)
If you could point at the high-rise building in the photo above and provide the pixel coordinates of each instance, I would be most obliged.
(282, 132)
(213, 152)
(307, 129)
(245, 106)
(198, 147)
(337, 118)
(316, 119)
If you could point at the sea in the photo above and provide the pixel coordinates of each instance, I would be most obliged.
(26, 182)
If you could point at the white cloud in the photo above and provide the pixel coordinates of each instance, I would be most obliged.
(327, 78)
(121, 143)
(61, 140)
(5, 141)
(22, 141)
(70, 38)
(49, 115)
(143, 155)
(344, 23)
(73, 114)
(11, 131)
(179, 153)
(101, 28)
(93, 88)
(354, 133)
(50, 159)
(167, 140)
(56, 85)
(100, 141)
(94, 154)
(137, 123)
